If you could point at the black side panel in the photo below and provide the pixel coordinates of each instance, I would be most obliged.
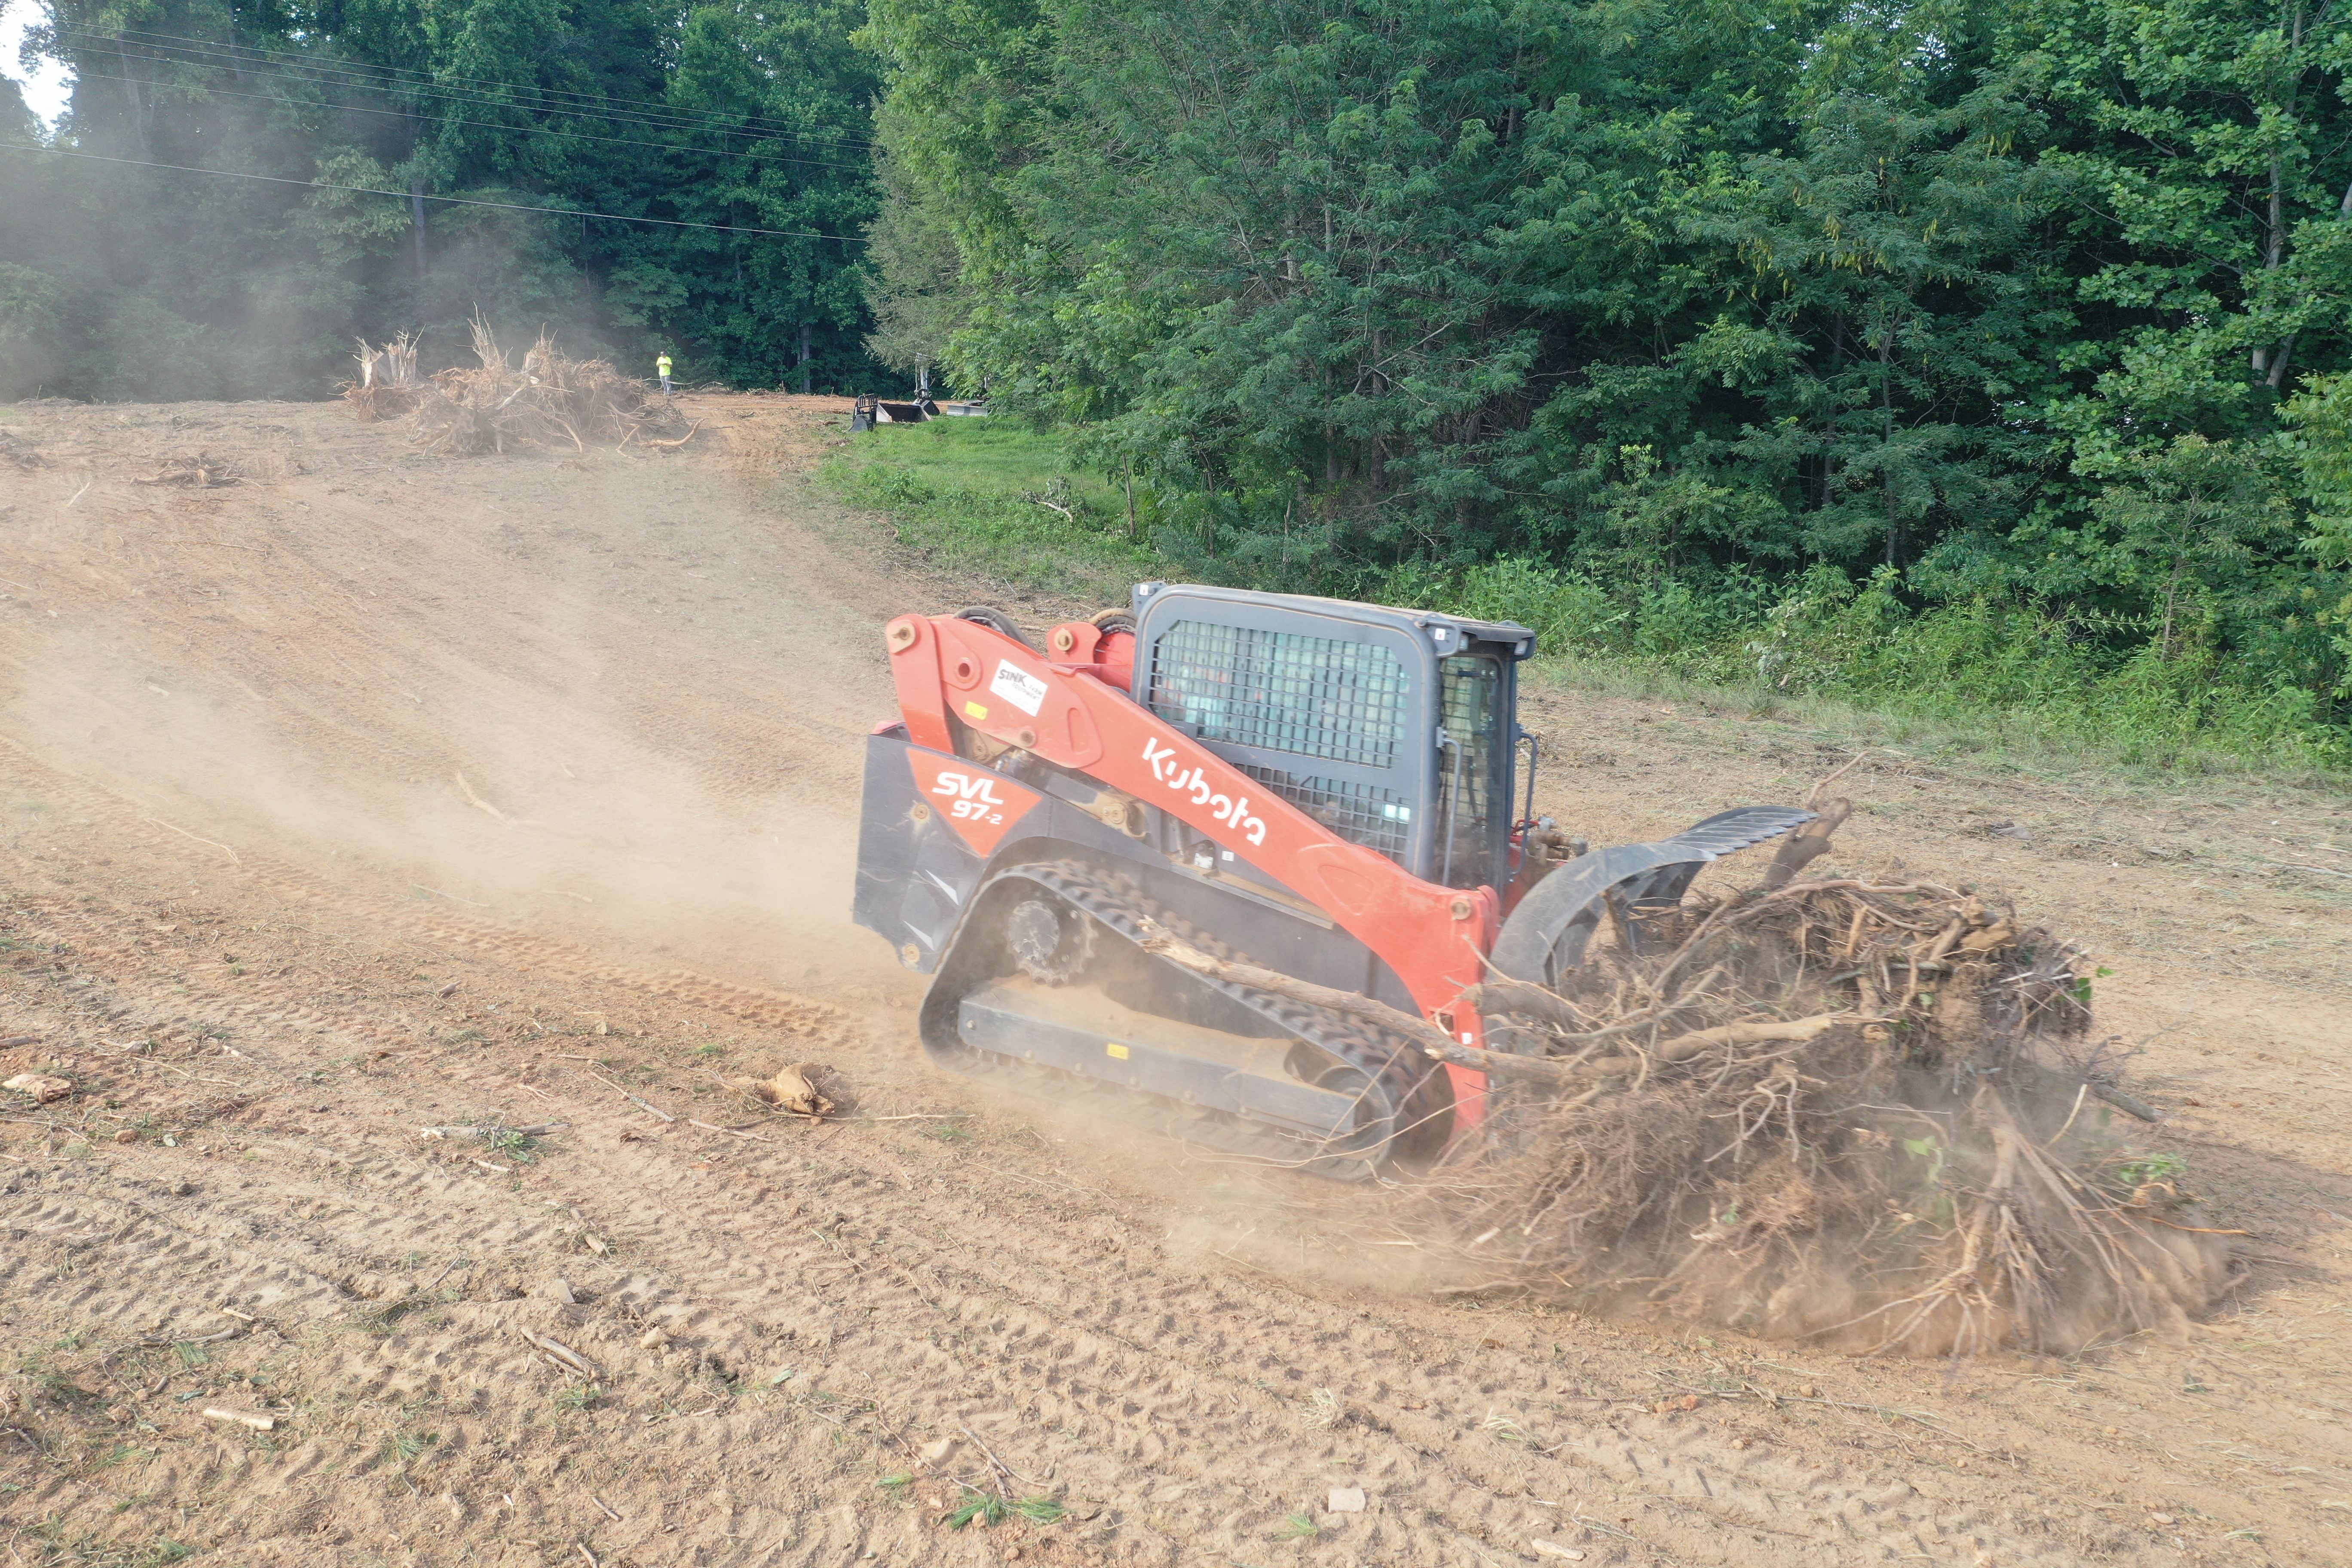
(912, 877)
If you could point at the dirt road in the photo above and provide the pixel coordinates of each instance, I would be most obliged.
(371, 794)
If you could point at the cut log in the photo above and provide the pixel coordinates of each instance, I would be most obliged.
(1754, 1031)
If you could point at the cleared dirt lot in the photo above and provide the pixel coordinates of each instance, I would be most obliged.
(371, 794)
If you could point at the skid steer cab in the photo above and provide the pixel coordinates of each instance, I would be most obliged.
(1149, 865)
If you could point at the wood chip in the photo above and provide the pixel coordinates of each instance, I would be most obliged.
(243, 1418)
(40, 1086)
(707, 1127)
(561, 1351)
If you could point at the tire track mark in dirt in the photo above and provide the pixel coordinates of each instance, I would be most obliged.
(1167, 1402)
(1138, 1332)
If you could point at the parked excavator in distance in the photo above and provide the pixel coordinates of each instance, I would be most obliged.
(1154, 863)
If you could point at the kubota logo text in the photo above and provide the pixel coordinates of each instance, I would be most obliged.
(1188, 782)
(972, 799)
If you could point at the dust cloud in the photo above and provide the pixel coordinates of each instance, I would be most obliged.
(592, 697)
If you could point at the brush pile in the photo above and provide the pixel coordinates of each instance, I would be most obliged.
(203, 472)
(1852, 1109)
(549, 401)
(388, 385)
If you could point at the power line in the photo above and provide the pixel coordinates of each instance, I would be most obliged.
(335, 74)
(418, 196)
(384, 78)
(489, 125)
(658, 106)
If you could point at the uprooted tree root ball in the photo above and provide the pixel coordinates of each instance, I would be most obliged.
(1860, 1112)
(550, 401)
(388, 385)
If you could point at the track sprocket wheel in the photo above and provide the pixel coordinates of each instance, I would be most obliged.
(1049, 939)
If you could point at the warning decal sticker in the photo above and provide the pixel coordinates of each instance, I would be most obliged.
(1018, 687)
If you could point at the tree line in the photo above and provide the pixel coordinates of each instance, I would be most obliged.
(1941, 349)
(205, 221)
(2002, 345)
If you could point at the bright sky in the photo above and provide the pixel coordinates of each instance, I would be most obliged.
(45, 89)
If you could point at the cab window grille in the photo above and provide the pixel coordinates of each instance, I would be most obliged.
(1282, 691)
(1360, 813)
(1472, 688)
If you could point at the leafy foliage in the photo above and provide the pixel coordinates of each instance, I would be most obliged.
(158, 282)
(1951, 351)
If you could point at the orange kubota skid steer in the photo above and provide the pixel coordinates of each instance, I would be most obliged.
(1314, 788)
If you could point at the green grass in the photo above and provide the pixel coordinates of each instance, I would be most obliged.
(1998, 684)
(973, 494)
(982, 1508)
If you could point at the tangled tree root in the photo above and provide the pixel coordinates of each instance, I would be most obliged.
(550, 401)
(1856, 1111)
(388, 385)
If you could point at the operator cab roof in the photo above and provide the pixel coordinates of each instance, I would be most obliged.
(1446, 634)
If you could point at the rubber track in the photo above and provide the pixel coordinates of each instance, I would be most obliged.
(1393, 1066)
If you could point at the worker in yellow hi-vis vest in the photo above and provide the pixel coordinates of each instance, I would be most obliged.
(661, 366)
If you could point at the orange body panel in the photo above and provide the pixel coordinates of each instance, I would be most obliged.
(1076, 714)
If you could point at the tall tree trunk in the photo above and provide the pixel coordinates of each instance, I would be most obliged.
(1886, 444)
(805, 370)
(416, 219)
(137, 105)
(2273, 252)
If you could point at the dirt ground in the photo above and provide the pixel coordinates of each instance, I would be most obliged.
(371, 794)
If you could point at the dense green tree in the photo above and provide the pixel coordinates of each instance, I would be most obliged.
(515, 113)
(1989, 312)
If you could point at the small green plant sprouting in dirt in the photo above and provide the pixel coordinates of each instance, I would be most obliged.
(519, 1147)
(52, 1385)
(713, 1049)
(2150, 1168)
(950, 1132)
(985, 1508)
(1040, 1509)
(405, 1449)
(191, 1355)
(384, 1316)
(581, 1396)
(464, 1037)
(1298, 1527)
(897, 1483)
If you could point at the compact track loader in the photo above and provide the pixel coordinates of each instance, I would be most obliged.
(1150, 864)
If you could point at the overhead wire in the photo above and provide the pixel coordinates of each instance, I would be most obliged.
(157, 47)
(419, 196)
(492, 125)
(658, 106)
(331, 76)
